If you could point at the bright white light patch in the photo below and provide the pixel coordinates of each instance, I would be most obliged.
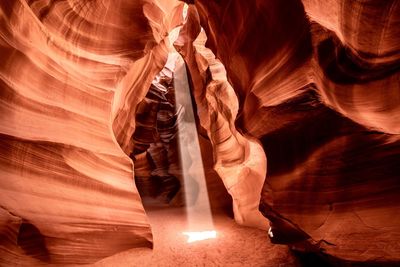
(198, 236)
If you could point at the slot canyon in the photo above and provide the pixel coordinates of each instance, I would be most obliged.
(200, 133)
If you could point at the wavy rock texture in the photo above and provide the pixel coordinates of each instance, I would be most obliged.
(72, 73)
(158, 169)
(239, 161)
(318, 85)
(313, 85)
(156, 155)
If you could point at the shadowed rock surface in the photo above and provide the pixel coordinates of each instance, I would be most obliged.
(318, 85)
(72, 74)
(298, 116)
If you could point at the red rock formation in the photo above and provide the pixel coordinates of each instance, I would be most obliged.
(319, 86)
(72, 73)
(238, 160)
(313, 86)
(155, 139)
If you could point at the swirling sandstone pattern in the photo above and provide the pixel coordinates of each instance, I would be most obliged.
(72, 73)
(312, 85)
(239, 161)
(155, 139)
(318, 85)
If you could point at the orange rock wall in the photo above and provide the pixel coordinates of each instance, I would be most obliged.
(318, 84)
(311, 87)
(72, 73)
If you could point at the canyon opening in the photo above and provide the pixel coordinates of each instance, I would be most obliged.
(167, 152)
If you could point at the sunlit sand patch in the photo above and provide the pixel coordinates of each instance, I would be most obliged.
(198, 236)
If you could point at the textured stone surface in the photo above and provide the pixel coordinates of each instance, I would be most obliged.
(318, 85)
(311, 86)
(156, 153)
(238, 160)
(72, 73)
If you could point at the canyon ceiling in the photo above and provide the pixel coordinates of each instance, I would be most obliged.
(297, 106)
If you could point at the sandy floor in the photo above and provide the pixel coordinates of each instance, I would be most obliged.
(234, 245)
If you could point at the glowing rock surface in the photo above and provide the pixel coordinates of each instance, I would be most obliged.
(311, 87)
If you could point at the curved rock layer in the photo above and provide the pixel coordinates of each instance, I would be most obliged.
(238, 160)
(158, 172)
(313, 85)
(158, 161)
(72, 73)
(318, 85)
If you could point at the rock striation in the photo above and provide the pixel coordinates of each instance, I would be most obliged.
(239, 161)
(318, 84)
(71, 76)
(155, 154)
(312, 87)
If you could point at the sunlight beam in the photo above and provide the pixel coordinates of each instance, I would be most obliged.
(199, 216)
